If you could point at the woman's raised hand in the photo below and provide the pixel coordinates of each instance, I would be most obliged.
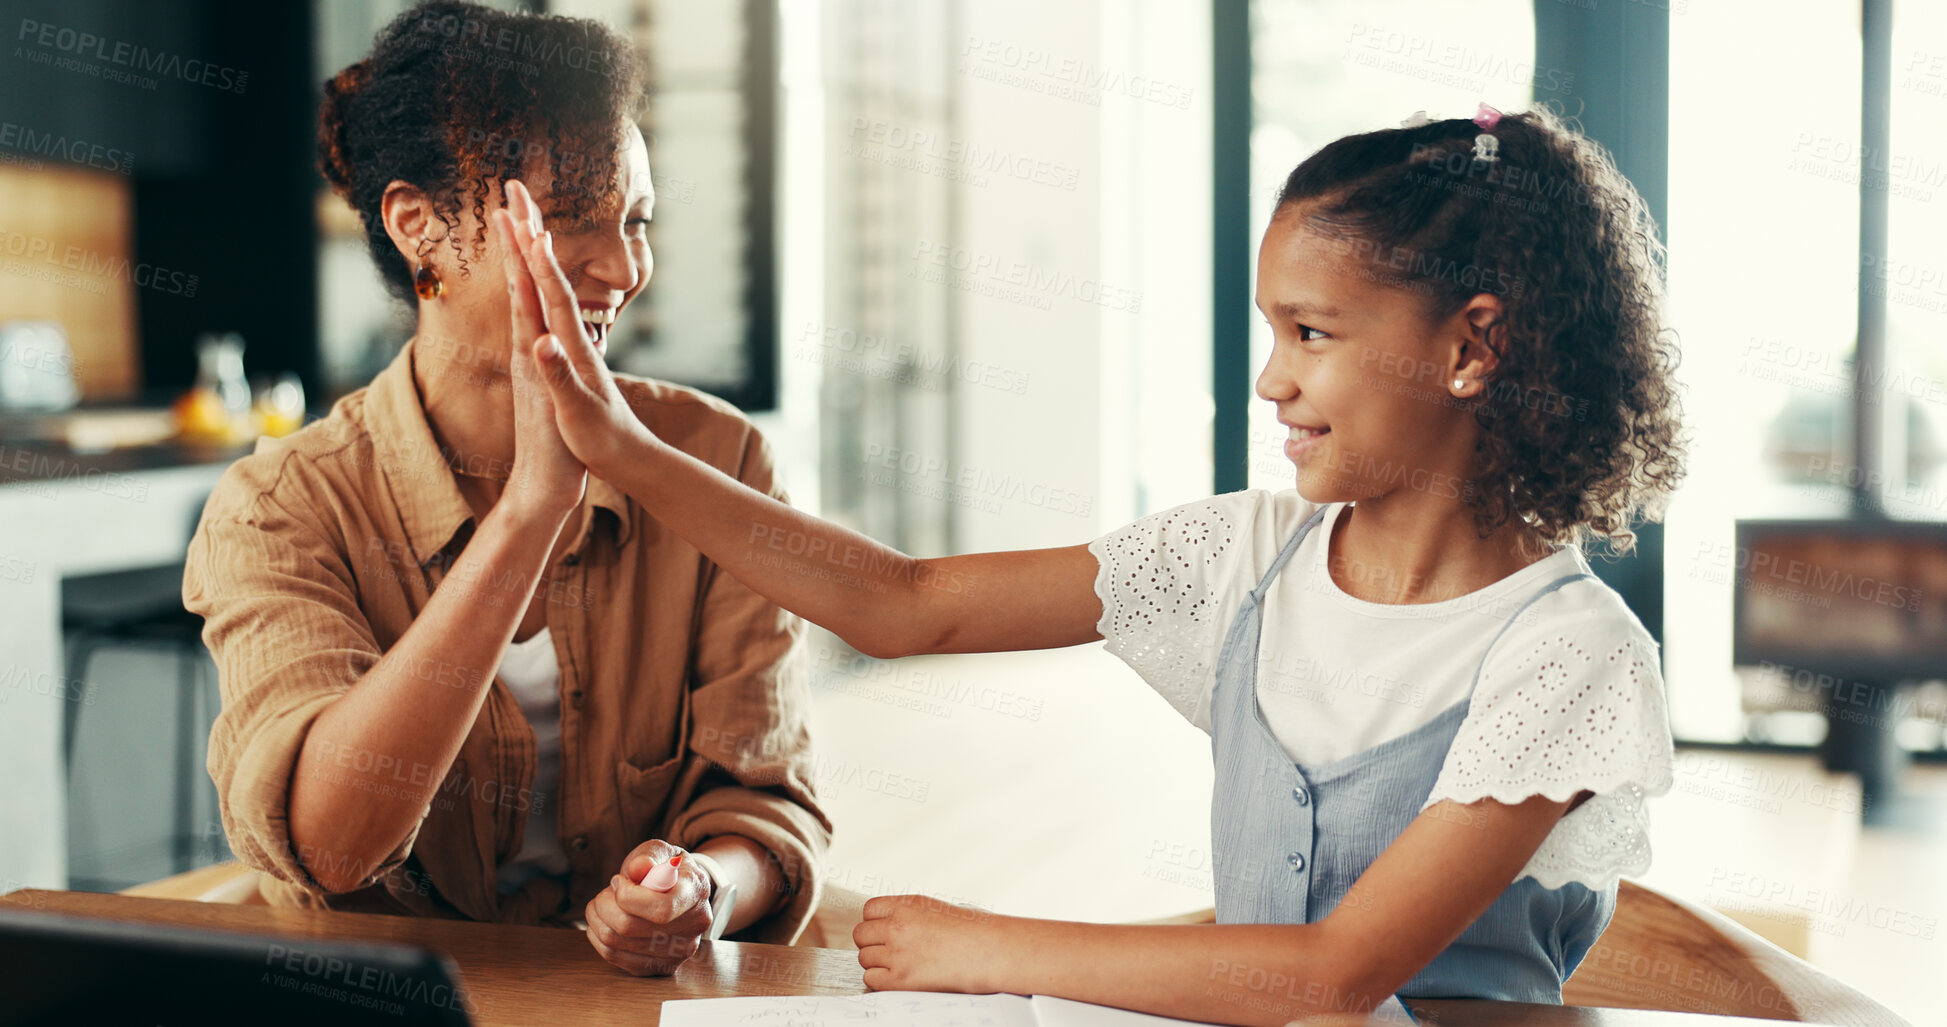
(547, 476)
(590, 413)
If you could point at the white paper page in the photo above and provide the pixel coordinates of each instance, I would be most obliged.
(917, 1008)
(1061, 1012)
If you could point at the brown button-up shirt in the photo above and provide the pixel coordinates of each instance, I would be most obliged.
(683, 694)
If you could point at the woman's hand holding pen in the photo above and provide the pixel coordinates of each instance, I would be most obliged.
(592, 417)
(547, 476)
(646, 927)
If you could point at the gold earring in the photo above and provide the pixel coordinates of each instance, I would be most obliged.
(426, 283)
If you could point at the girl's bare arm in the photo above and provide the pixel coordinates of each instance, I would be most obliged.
(1434, 880)
(881, 601)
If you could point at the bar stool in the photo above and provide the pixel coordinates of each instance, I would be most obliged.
(143, 608)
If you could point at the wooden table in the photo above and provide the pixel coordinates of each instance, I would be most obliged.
(514, 975)
(543, 975)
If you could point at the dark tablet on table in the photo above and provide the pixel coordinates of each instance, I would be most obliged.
(68, 970)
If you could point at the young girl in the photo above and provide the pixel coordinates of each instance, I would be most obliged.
(1434, 729)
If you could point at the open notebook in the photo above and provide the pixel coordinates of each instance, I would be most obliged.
(920, 1009)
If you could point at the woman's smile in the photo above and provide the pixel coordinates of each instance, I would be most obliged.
(596, 319)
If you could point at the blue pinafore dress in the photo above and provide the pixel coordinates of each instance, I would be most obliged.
(1289, 839)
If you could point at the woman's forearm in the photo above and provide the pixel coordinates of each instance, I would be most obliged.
(375, 758)
(1232, 974)
(869, 594)
(760, 882)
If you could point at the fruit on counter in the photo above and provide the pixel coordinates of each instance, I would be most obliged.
(279, 407)
(202, 416)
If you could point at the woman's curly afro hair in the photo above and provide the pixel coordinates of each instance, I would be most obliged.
(1579, 423)
(456, 97)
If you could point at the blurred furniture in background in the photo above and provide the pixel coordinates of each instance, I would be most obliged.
(227, 882)
(69, 515)
(68, 238)
(38, 370)
(1851, 616)
(1661, 952)
(143, 607)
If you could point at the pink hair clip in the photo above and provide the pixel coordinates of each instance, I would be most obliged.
(1487, 149)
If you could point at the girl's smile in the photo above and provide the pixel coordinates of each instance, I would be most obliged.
(1303, 439)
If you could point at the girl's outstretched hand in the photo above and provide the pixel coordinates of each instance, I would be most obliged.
(594, 419)
(546, 476)
(920, 943)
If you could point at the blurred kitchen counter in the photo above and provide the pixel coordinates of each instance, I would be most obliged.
(93, 440)
(29, 461)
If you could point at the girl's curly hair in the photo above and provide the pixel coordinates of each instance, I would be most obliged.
(1580, 423)
(455, 97)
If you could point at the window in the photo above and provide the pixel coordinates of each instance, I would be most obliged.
(1763, 233)
(1765, 259)
(1914, 175)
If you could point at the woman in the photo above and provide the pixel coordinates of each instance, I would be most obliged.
(460, 677)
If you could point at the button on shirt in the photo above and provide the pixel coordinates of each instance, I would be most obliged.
(687, 712)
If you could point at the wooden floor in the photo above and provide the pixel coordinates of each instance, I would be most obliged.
(1056, 784)
(1046, 784)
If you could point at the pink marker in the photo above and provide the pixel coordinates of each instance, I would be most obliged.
(662, 876)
